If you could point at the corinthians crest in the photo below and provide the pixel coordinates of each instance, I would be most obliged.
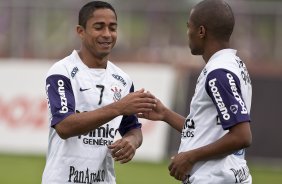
(117, 93)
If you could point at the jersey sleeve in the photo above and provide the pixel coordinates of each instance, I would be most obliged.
(129, 122)
(223, 87)
(61, 100)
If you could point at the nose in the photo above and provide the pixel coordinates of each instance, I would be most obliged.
(106, 32)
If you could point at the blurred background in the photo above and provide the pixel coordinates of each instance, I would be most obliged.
(152, 48)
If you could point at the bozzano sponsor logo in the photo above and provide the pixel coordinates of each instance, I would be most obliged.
(218, 99)
(61, 91)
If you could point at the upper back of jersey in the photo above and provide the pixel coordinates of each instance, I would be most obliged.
(75, 88)
(222, 99)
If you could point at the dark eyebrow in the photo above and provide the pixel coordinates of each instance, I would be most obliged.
(113, 24)
(103, 23)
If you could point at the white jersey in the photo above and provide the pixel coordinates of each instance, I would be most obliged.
(72, 87)
(222, 99)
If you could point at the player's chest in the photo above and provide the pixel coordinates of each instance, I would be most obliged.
(94, 91)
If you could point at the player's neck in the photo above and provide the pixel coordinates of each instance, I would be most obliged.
(92, 61)
(211, 49)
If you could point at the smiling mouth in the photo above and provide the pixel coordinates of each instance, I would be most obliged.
(105, 44)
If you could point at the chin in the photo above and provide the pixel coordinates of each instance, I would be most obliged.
(196, 52)
(103, 54)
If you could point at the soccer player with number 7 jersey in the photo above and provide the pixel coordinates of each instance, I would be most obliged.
(90, 99)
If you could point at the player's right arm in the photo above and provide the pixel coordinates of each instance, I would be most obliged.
(162, 113)
(69, 124)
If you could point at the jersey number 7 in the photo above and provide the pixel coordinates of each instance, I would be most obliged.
(101, 94)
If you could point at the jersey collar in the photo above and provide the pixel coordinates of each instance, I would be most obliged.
(222, 52)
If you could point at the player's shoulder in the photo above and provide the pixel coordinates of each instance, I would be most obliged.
(61, 67)
(58, 68)
(223, 60)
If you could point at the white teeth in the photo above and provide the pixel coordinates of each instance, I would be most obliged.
(104, 43)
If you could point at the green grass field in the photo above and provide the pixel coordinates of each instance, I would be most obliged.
(28, 170)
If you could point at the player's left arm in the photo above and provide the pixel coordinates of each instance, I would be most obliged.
(225, 86)
(238, 137)
(123, 150)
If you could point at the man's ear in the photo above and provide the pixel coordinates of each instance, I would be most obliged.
(202, 31)
(80, 31)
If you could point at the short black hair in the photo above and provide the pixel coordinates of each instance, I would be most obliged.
(216, 16)
(87, 11)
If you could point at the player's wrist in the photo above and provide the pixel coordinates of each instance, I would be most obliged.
(191, 157)
(166, 115)
(116, 109)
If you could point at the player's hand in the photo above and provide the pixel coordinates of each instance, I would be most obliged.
(180, 165)
(122, 150)
(156, 114)
(137, 102)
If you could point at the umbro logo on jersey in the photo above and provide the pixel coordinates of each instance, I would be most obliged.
(74, 71)
(205, 71)
(85, 89)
